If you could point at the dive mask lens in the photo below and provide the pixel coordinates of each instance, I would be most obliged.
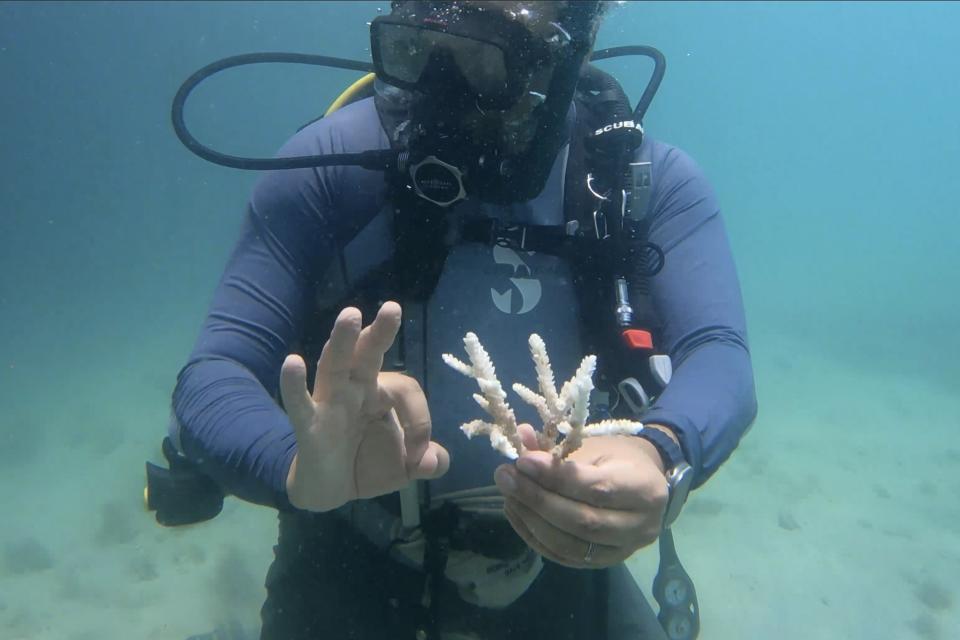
(399, 53)
(402, 52)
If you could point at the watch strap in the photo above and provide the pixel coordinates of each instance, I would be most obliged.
(678, 471)
(670, 452)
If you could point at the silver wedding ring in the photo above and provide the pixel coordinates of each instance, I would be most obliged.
(588, 556)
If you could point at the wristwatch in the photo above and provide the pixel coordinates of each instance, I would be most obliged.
(679, 472)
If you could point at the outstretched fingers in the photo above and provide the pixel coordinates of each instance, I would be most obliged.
(336, 359)
(374, 341)
(293, 391)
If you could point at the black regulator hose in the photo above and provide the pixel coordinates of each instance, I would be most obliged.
(659, 68)
(375, 160)
(378, 160)
(611, 146)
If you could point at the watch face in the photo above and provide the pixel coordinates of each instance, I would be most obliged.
(680, 478)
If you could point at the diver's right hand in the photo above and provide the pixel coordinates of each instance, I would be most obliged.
(361, 432)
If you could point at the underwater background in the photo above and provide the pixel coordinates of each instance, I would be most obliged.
(830, 132)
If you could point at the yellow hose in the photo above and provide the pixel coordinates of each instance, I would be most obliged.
(350, 94)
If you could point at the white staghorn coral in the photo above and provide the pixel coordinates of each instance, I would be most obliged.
(562, 413)
(503, 430)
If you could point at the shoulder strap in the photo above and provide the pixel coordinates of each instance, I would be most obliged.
(576, 196)
(607, 195)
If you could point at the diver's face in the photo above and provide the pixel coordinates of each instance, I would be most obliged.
(515, 129)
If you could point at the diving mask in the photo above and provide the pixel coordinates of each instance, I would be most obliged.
(490, 88)
(493, 54)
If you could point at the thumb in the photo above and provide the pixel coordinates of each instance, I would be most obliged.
(293, 392)
(528, 436)
(434, 463)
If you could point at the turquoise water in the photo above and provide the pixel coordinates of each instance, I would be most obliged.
(830, 132)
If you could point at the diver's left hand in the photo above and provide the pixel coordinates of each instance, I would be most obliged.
(611, 492)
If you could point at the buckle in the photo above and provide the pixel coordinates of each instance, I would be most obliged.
(508, 236)
(599, 217)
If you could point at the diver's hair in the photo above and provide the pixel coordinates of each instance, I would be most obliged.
(606, 6)
(603, 7)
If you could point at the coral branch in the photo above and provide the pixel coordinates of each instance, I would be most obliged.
(503, 430)
(564, 414)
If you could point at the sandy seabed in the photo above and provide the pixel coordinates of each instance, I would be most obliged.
(837, 517)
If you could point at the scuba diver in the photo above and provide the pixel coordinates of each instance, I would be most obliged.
(486, 178)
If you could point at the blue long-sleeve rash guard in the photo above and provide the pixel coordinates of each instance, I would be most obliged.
(307, 228)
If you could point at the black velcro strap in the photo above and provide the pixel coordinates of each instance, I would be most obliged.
(548, 239)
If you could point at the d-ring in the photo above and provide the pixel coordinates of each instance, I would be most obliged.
(588, 556)
(594, 191)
